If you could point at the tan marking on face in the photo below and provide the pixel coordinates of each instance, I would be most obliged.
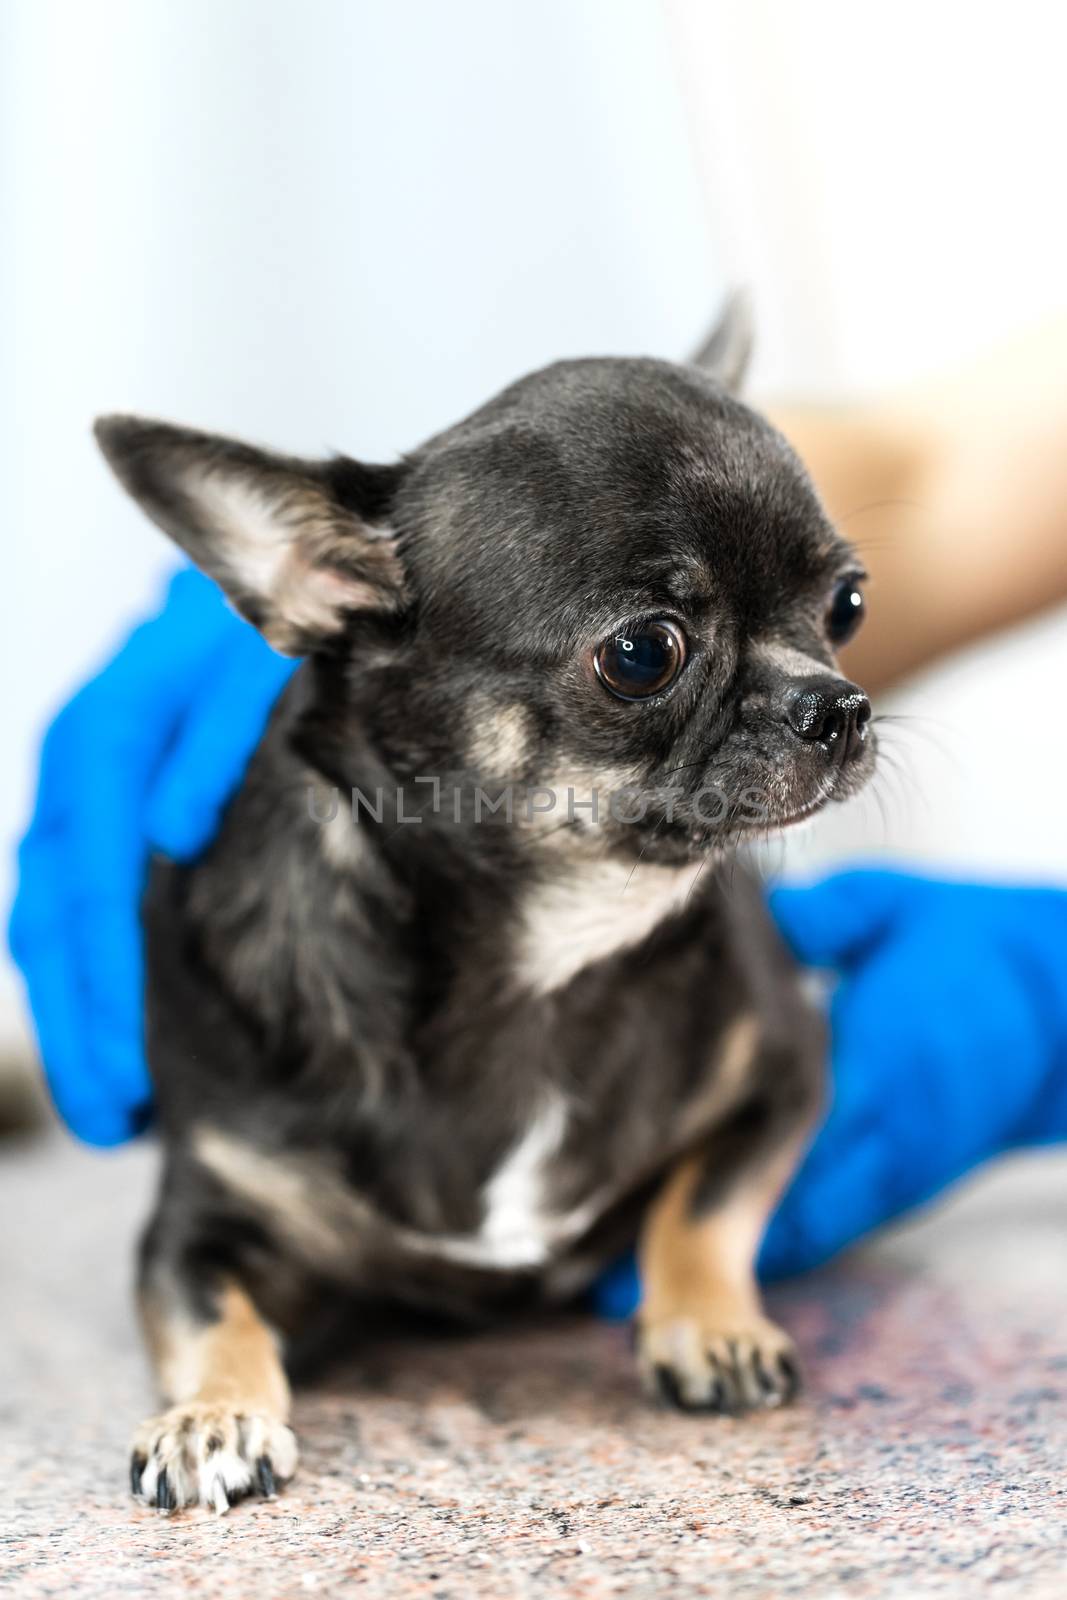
(500, 737)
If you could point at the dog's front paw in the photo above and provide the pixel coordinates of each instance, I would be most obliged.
(701, 1365)
(209, 1454)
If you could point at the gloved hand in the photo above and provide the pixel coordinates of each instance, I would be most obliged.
(949, 1046)
(144, 757)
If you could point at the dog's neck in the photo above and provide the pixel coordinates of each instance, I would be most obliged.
(556, 904)
(528, 899)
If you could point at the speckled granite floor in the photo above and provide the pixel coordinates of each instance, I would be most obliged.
(928, 1460)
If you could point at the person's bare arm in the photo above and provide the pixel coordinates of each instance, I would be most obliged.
(955, 494)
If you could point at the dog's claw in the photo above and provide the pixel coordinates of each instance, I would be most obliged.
(697, 1368)
(717, 1397)
(211, 1455)
(768, 1387)
(667, 1384)
(790, 1370)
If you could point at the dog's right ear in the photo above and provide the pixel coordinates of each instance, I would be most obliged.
(727, 350)
(299, 546)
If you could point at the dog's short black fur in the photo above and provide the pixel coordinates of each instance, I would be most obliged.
(439, 1055)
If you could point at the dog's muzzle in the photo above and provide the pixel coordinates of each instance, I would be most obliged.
(832, 713)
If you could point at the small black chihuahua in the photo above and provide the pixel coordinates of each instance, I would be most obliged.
(471, 982)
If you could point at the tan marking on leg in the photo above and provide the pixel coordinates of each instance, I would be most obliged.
(234, 1358)
(308, 1203)
(225, 1432)
(725, 1082)
(702, 1335)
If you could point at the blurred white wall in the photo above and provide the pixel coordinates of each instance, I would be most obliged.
(888, 179)
(318, 223)
(340, 223)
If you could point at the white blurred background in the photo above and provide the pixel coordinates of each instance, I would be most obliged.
(338, 223)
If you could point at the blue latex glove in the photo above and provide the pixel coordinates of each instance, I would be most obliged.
(949, 1046)
(144, 757)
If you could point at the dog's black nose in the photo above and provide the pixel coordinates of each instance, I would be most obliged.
(831, 711)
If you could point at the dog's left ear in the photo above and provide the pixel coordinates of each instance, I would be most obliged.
(727, 350)
(299, 546)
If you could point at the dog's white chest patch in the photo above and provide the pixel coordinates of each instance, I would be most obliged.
(519, 1228)
(589, 912)
(515, 1229)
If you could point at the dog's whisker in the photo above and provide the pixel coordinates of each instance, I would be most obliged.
(538, 834)
(648, 842)
(903, 504)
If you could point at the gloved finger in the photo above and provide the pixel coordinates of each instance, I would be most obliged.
(102, 843)
(878, 1174)
(84, 1098)
(74, 927)
(616, 1294)
(832, 922)
(961, 1059)
(137, 692)
(826, 1209)
(104, 858)
(164, 653)
(920, 1090)
(214, 744)
(75, 933)
(106, 946)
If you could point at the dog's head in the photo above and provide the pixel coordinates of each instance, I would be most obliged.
(613, 585)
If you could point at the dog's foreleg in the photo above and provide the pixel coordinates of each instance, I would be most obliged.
(225, 1433)
(703, 1340)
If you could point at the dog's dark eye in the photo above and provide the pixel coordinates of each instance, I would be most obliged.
(642, 659)
(846, 611)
